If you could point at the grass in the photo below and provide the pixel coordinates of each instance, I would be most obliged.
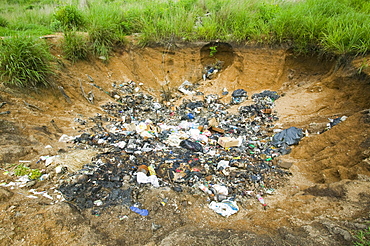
(69, 18)
(362, 238)
(25, 62)
(336, 26)
(22, 19)
(339, 27)
(75, 46)
(22, 170)
(106, 29)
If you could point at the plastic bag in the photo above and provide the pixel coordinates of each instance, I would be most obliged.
(289, 136)
(239, 93)
(193, 146)
(271, 94)
(143, 212)
(142, 178)
(224, 208)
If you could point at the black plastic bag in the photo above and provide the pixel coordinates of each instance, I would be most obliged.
(271, 94)
(193, 146)
(239, 93)
(193, 105)
(288, 136)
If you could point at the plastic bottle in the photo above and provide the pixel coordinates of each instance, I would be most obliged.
(205, 189)
(261, 200)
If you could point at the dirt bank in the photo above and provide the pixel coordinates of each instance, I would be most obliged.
(324, 202)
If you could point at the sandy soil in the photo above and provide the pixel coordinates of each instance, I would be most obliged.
(325, 202)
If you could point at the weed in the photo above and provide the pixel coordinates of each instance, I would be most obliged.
(166, 93)
(75, 46)
(103, 38)
(3, 22)
(362, 238)
(22, 170)
(363, 66)
(69, 17)
(213, 50)
(106, 29)
(25, 62)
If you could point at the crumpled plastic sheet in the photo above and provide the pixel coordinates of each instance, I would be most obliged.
(289, 136)
(224, 208)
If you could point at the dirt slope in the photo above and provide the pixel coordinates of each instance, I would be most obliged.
(326, 198)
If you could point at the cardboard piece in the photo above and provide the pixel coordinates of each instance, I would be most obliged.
(267, 111)
(217, 129)
(228, 142)
(213, 122)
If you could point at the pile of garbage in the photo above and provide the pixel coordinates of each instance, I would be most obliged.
(197, 146)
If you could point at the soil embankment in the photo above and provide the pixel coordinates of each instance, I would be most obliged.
(326, 199)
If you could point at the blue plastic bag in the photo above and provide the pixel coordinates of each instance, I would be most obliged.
(143, 212)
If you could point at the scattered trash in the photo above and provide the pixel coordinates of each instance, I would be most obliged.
(273, 95)
(261, 200)
(193, 146)
(336, 121)
(197, 145)
(239, 96)
(211, 70)
(186, 88)
(224, 208)
(228, 142)
(205, 189)
(48, 159)
(288, 136)
(155, 226)
(142, 178)
(98, 203)
(60, 169)
(140, 211)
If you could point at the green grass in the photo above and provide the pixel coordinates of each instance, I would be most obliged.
(106, 29)
(25, 20)
(25, 62)
(326, 26)
(22, 170)
(75, 46)
(69, 18)
(362, 238)
(335, 26)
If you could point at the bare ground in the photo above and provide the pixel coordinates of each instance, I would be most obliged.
(325, 202)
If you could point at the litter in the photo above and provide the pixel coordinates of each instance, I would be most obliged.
(198, 144)
(224, 208)
(288, 136)
(140, 211)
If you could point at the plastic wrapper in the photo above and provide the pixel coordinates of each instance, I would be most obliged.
(224, 208)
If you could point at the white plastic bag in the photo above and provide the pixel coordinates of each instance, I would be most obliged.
(224, 208)
(142, 178)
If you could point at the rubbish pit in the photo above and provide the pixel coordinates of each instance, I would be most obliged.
(228, 158)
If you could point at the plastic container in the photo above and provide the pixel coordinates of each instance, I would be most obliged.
(261, 200)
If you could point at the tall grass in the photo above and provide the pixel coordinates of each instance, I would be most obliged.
(75, 46)
(25, 62)
(338, 26)
(106, 28)
(25, 20)
(69, 18)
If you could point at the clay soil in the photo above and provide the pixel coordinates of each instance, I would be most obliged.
(325, 201)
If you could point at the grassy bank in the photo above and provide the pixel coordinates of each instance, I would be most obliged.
(332, 26)
(339, 26)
